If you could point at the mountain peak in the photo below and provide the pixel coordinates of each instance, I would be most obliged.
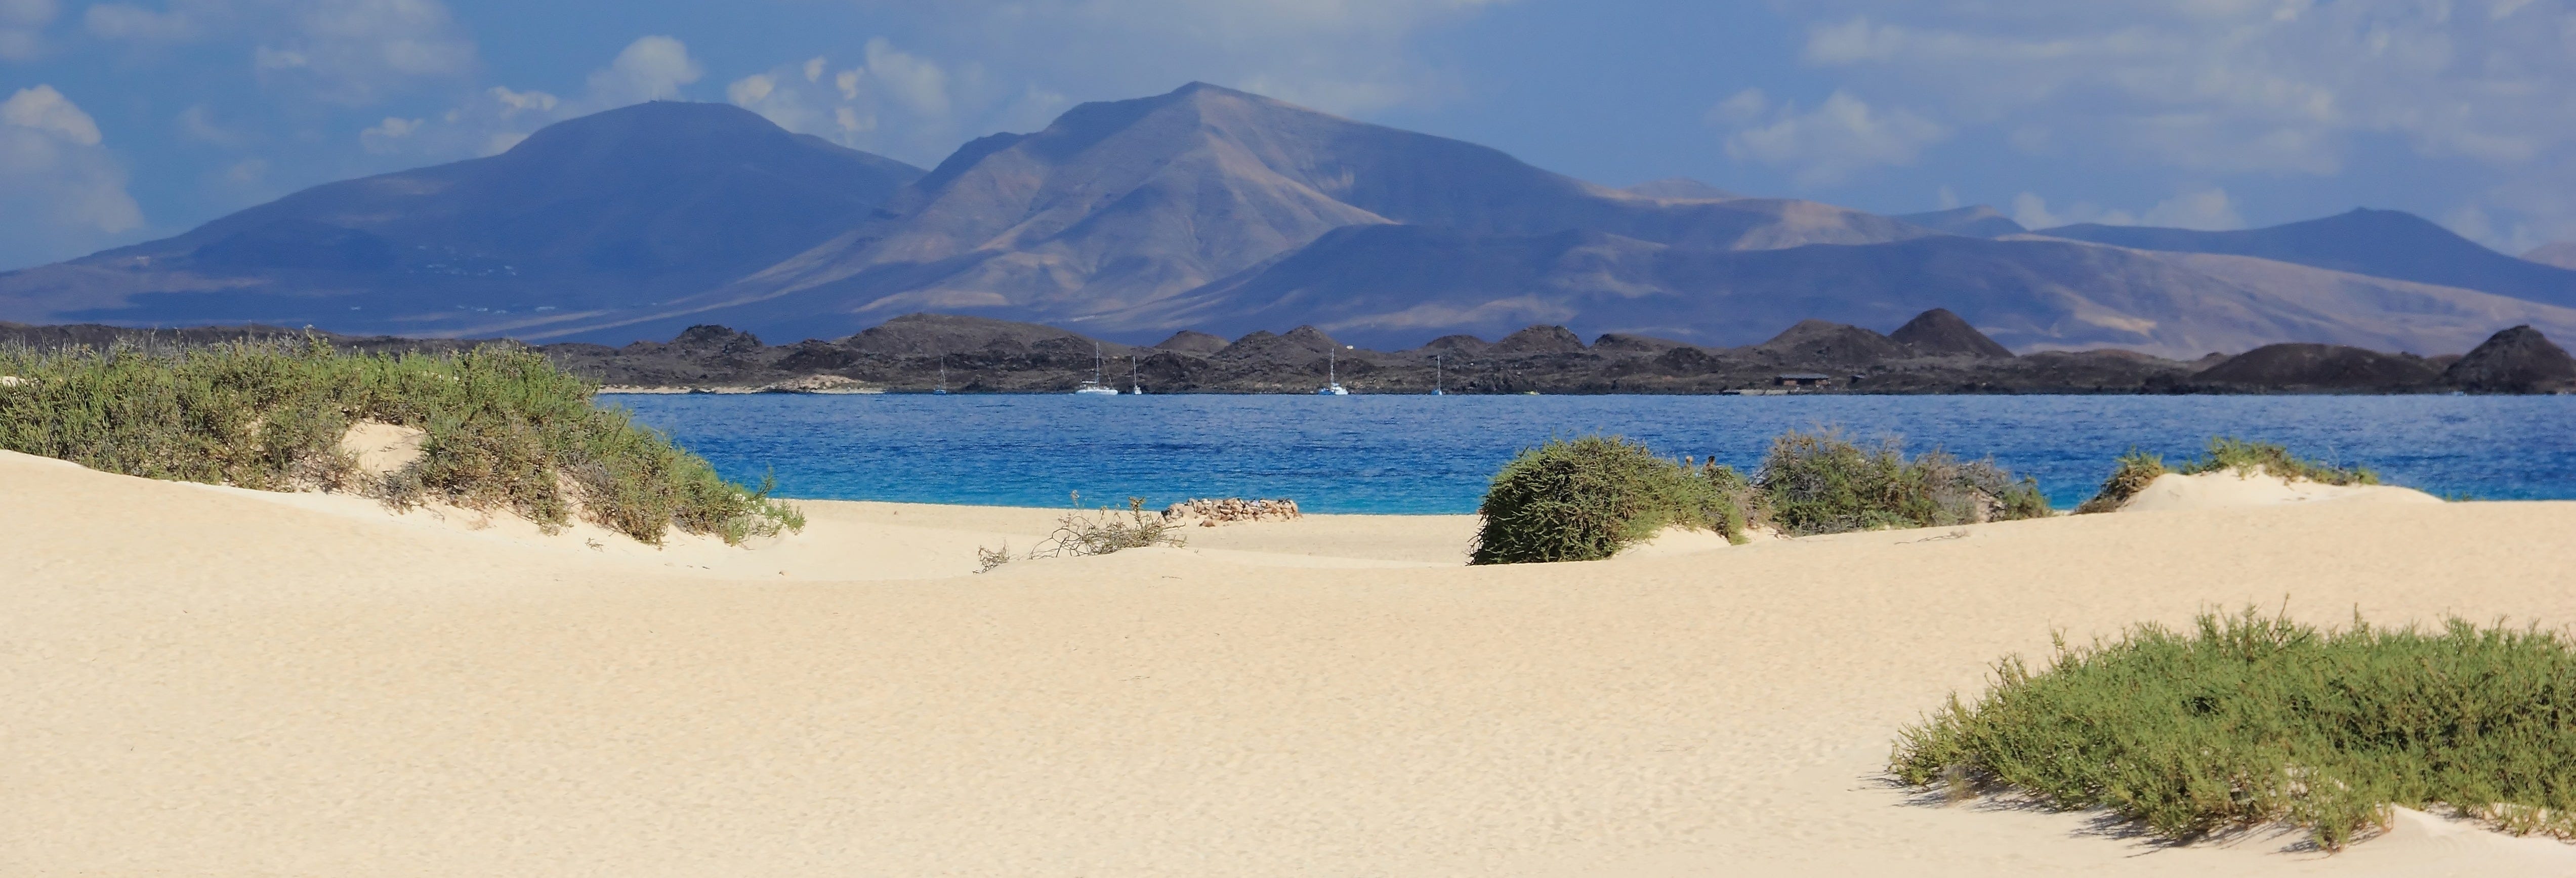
(1939, 332)
(2381, 243)
(1681, 189)
(1975, 221)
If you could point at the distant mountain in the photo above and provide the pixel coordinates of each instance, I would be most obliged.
(1681, 189)
(2561, 254)
(1979, 221)
(1939, 332)
(584, 218)
(2379, 243)
(1119, 206)
(1217, 211)
(1388, 286)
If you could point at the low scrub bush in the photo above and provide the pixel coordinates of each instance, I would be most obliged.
(1082, 534)
(504, 430)
(2250, 458)
(1821, 483)
(1585, 499)
(2130, 475)
(2250, 720)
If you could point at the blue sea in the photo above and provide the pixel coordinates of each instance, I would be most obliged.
(1429, 455)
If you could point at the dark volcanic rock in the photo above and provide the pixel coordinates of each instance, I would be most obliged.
(1457, 344)
(1310, 338)
(707, 340)
(930, 335)
(1299, 345)
(2517, 360)
(1640, 344)
(2321, 367)
(1190, 342)
(1540, 340)
(992, 356)
(1821, 344)
(1938, 332)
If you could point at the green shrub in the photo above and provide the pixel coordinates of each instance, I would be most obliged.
(504, 429)
(2250, 720)
(2250, 458)
(1586, 499)
(2132, 474)
(1821, 483)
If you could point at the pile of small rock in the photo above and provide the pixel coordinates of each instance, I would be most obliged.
(1210, 513)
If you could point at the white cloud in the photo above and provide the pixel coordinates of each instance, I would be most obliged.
(515, 102)
(22, 26)
(2211, 88)
(1839, 138)
(2032, 212)
(2205, 209)
(343, 51)
(499, 117)
(1343, 56)
(126, 21)
(56, 171)
(43, 109)
(2234, 84)
(198, 124)
(651, 68)
(387, 136)
(910, 78)
(895, 101)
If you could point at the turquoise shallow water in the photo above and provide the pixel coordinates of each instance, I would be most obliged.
(1422, 454)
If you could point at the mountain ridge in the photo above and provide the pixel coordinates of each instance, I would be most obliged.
(1211, 208)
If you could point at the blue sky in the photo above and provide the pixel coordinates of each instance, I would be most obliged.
(126, 121)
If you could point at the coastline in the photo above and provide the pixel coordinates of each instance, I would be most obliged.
(204, 682)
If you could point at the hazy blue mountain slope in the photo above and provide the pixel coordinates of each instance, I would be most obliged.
(588, 216)
(1681, 189)
(1120, 205)
(2559, 255)
(1396, 285)
(2380, 243)
(1979, 221)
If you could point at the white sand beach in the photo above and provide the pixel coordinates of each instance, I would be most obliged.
(201, 681)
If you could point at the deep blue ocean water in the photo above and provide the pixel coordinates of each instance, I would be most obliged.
(1424, 454)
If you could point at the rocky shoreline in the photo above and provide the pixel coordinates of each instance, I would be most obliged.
(1935, 353)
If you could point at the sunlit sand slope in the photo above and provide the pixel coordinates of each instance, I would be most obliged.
(197, 682)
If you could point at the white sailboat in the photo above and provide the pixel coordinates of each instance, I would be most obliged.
(1332, 375)
(942, 389)
(1439, 375)
(1093, 387)
(1133, 371)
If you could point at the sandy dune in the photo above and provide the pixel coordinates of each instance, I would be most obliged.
(204, 682)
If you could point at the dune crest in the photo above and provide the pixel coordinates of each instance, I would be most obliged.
(2220, 490)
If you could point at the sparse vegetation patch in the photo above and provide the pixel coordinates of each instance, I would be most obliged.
(2133, 472)
(2136, 469)
(504, 429)
(1821, 483)
(2251, 458)
(1585, 499)
(2248, 720)
(1082, 534)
